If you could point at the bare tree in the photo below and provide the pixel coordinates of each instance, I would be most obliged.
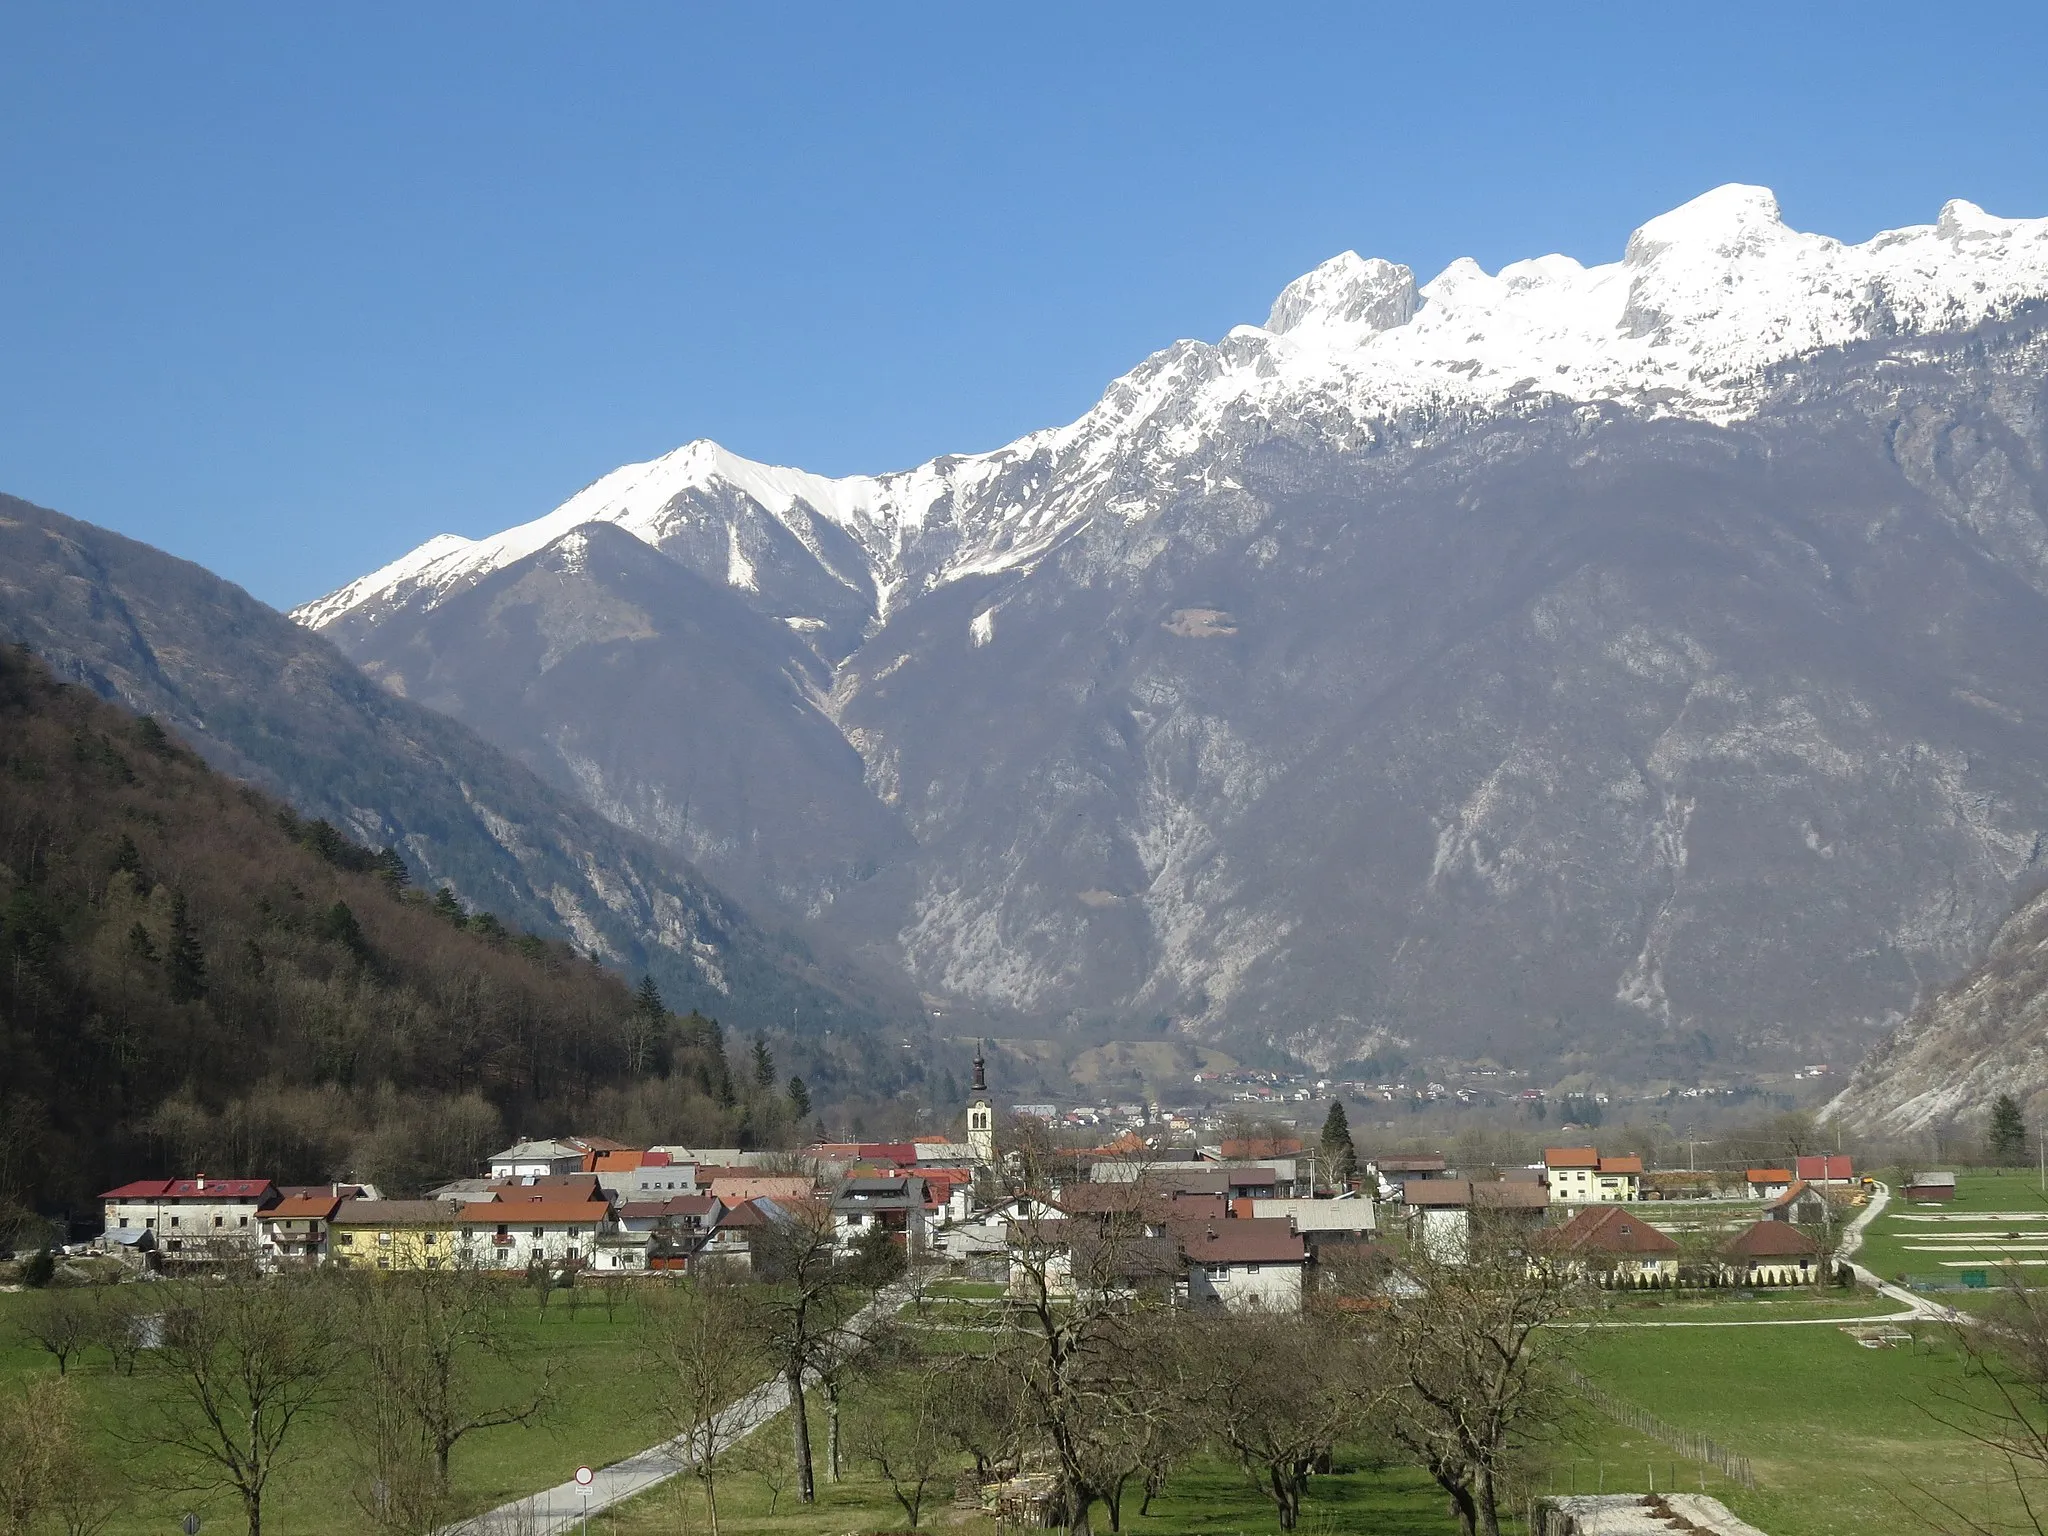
(118, 1325)
(1088, 1296)
(61, 1322)
(443, 1362)
(1472, 1385)
(2002, 1405)
(1278, 1390)
(34, 1451)
(240, 1365)
(703, 1358)
(901, 1434)
(799, 1314)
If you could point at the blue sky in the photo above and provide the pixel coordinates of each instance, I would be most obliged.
(287, 292)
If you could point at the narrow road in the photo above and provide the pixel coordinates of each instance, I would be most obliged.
(558, 1510)
(1923, 1310)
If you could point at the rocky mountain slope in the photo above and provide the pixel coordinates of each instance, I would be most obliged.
(1983, 1035)
(266, 701)
(1611, 668)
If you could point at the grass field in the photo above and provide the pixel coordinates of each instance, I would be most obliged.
(1840, 1435)
(598, 1419)
(1205, 1498)
(1995, 1221)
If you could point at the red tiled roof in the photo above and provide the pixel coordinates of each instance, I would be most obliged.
(1769, 1176)
(1830, 1166)
(1790, 1197)
(189, 1189)
(1613, 1229)
(1771, 1240)
(1246, 1240)
(294, 1207)
(551, 1186)
(1621, 1165)
(1571, 1157)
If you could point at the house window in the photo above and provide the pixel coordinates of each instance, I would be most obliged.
(241, 1221)
(217, 1221)
(345, 1239)
(384, 1239)
(174, 1221)
(540, 1232)
(1251, 1269)
(124, 1221)
(1216, 1271)
(383, 1263)
(854, 1218)
(149, 1222)
(429, 1239)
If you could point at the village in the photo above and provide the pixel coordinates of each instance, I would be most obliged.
(1250, 1218)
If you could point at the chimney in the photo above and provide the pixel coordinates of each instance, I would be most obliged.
(199, 1182)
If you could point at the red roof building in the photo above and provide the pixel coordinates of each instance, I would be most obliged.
(1829, 1168)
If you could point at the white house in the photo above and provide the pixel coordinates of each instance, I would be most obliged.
(530, 1159)
(195, 1220)
(895, 1205)
(549, 1229)
(1249, 1263)
(1581, 1176)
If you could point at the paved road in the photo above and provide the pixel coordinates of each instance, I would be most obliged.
(1923, 1310)
(557, 1510)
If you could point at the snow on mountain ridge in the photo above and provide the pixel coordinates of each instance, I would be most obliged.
(1704, 297)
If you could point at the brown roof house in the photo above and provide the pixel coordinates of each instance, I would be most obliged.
(1251, 1263)
(1771, 1253)
(1616, 1246)
(1440, 1212)
(1802, 1205)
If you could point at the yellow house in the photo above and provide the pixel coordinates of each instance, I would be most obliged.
(394, 1234)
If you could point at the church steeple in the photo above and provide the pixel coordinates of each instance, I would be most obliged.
(981, 1114)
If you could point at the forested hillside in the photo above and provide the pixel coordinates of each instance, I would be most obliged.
(193, 978)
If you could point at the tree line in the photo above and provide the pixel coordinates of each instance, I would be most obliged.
(193, 977)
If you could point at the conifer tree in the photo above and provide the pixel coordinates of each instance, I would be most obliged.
(2008, 1134)
(648, 999)
(391, 869)
(184, 961)
(764, 1063)
(799, 1097)
(127, 857)
(1339, 1156)
(445, 905)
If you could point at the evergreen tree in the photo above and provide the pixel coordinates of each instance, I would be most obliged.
(1339, 1156)
(391, 869)
(445, 905)
(764, 1063)
(2008, 1134)
(338, 924)
(141, 945)
(184, 961)
(127, 857)
(647, 999)
(152, 736)
(799, 1097)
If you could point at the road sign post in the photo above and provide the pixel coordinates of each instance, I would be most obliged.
(584, 1478)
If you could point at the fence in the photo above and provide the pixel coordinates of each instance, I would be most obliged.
(1688, 1443)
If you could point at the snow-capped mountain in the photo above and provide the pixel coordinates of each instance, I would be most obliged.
(1705, 299)
(1415, 618)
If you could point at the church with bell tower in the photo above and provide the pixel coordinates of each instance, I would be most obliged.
(981, 1115)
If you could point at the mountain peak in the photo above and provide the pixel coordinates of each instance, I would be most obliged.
(1730, 220)
(1347, 289)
